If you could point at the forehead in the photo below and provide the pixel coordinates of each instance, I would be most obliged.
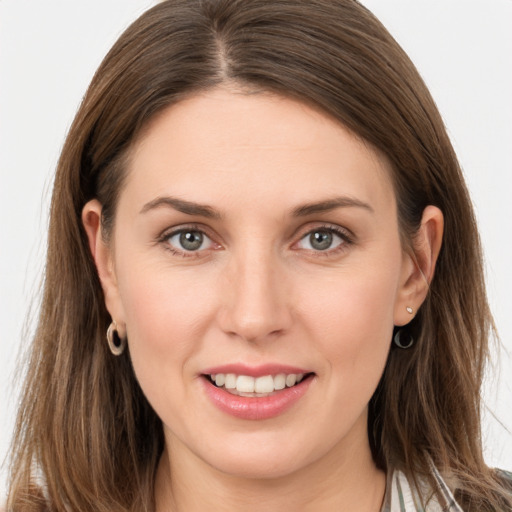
(225, 144)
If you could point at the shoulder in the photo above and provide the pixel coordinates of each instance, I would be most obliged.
(418, 494)
(505, 477)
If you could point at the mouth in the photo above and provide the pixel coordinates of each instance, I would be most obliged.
(256, 393)
(256, 387)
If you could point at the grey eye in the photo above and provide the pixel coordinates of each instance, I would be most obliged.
(189, 240)
(320, 240)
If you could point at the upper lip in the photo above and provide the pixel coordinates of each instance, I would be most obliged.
(254, 371)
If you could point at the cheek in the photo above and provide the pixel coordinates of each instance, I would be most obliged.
(351, 319)
(354, 302)
(166, 314)
(353, 333)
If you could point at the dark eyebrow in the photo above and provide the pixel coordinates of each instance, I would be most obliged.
(182, 206)
(328, 205)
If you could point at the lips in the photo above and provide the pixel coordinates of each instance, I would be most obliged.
(255, 393)
(245, 385)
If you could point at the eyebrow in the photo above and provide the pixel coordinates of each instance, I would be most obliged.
(329, 205)
(204, 210)
(187, 207)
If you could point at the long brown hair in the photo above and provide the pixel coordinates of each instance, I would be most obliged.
(86, 438)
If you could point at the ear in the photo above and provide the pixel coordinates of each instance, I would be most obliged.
(102, 254)
(418, 268)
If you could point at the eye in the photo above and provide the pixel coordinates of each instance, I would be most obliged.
(189, 240)
(322, 239)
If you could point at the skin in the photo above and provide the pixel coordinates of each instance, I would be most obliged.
(258, 292)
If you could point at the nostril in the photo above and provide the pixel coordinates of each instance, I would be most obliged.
(254, 309)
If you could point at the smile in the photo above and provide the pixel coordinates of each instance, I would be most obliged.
(245, 385)
(266, 394)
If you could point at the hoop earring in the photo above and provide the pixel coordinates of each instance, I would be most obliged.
(406, 343)
(116, 344)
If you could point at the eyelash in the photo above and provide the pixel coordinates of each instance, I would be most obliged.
(346, 236)
(164, 240)
(347, 239)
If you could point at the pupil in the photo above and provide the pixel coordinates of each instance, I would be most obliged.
(191, 240)
(320, 240)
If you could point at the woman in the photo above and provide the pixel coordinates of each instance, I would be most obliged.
(264, 283)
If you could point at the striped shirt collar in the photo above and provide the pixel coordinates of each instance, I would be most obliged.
(403, 496)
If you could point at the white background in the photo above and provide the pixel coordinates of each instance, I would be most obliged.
(49, 51)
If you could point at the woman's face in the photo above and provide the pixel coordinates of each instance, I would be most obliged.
(256, 240)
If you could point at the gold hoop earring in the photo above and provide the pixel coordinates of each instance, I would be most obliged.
(116, 344)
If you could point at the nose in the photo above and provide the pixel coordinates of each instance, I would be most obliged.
(256, 304)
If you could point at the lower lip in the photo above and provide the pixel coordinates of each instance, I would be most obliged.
(256, 408)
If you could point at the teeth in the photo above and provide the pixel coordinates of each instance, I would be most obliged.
(264, 384)
(279, 381)
(245, 385)
(230, 381)
(291, 380)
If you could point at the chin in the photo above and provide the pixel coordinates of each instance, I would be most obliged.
(258, 469)
(259, 460)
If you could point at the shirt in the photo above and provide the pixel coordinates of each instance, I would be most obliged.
(401, 496)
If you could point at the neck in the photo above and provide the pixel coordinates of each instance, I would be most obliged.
(344, 479)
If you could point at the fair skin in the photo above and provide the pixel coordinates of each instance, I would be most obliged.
(282, 252)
